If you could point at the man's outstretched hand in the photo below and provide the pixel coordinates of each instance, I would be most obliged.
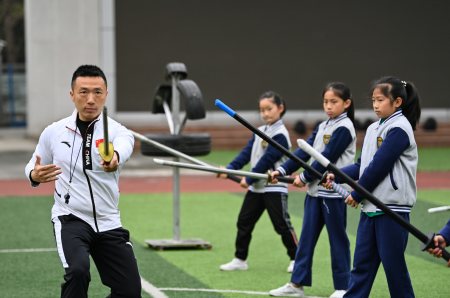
(46, 173)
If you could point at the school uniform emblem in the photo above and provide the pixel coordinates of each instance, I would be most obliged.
(326, 139)
(379, 141)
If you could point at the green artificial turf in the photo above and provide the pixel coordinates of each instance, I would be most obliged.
(26, 224)
(211, 217)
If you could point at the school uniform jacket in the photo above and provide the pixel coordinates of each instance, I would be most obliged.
(388, 164)
(264, 157)
(94, 193)
(336, 140)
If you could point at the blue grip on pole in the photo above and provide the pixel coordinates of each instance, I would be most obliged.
(225, 108)
(340, 190)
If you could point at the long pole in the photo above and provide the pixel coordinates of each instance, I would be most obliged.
(177, 153)
(217, 170)
(427, 241)
(439, 209)
(105, 130)
(336, 187)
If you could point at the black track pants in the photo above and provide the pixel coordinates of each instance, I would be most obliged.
(111, 251)
(252, 208)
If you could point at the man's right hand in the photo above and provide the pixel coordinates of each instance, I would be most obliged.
(46, 173)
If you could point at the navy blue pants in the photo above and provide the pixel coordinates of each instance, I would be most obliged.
(333, 214)
(111, 251)
(380, 240)
(252, 208)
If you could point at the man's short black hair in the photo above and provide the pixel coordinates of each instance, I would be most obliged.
(88, 71)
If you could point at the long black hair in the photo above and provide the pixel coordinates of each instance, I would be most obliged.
(393, 88)
(276, 99)
(342, 91)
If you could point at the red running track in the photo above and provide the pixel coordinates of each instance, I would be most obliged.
(21, 187)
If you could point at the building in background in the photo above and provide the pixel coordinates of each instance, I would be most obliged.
(12, 64)
(235, 50)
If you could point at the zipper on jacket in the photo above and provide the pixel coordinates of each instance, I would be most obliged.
(94, 213)
(91, 125)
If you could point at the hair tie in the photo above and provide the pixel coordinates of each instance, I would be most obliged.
(404, 83)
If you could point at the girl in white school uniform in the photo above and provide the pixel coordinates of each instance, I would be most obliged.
(387, 168)
(336, 139)
(260, 195)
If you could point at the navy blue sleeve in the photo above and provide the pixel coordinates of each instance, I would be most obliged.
(445, 232)
(351, 170)
(290, 166)
(243, 157)
(383, 161)
(339, 141)
(270, 157)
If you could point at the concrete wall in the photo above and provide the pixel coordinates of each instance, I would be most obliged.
(60, 36)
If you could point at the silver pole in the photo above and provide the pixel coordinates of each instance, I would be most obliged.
(167, 149)
(169, 117)
(439, 209)
(176, 171)
(175, 105)
(230, 172)
(210, 169)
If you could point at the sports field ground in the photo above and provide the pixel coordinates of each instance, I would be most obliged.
(30, 267)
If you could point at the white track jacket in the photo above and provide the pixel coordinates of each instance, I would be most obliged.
(94, 193)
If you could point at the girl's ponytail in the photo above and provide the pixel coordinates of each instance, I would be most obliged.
(411, 106)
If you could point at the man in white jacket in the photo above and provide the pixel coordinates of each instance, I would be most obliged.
(85, 214)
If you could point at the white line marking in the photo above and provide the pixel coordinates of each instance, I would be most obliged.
(223, 291)
(152, 290)
(215, 291)
(19, 250)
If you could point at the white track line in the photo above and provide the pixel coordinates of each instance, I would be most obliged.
(214, 291)
(222, 291)
(152, 290)
(19, 250)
